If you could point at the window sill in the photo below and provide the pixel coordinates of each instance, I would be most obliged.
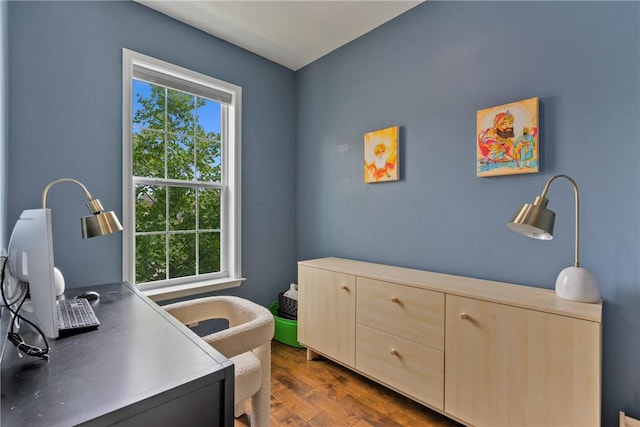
(189, 289)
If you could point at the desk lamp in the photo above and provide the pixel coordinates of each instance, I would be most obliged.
(536, 221)
(99, 223)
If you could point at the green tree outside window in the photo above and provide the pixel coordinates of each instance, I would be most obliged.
(177, 137)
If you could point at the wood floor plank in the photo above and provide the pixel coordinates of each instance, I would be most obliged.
(370, 414)
(305, 375)
(292, 379)
(333, 413)
(297, 403)
(281, 416)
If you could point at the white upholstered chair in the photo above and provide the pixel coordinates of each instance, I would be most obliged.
(246, 342)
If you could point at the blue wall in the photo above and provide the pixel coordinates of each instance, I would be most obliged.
(429, 71)
(65, 119)
(4, 102)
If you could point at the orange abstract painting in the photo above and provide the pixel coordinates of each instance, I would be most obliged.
(381, 155)
(507, 139)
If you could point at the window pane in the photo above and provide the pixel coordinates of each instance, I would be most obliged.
(180, 112)
(150, 258)
(208, 209)
(182, 255)
(209, 252)
(148, 105)
(182, 208)
(208, 160)
(209, 114)
(151, 208)
(180, 161)
(148, 153)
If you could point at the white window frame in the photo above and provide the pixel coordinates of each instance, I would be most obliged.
(230, 249)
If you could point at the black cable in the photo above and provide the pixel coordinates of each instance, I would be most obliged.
(14, 337)
(19, 291)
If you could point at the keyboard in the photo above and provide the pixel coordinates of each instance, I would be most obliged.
(76, 315)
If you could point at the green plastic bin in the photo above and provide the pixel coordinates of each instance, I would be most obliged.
(286, 329)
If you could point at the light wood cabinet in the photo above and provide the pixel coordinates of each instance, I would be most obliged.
(484, 353)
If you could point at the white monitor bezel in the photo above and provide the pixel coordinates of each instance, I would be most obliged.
(30, 259)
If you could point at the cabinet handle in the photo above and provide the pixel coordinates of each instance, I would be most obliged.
(344, 287)
(393, 351)
(394, 299)
(464, 316)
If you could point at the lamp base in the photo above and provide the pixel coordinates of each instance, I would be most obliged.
(577, 284)
(58, 280)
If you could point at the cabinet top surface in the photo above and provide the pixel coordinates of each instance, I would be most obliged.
(504, 293)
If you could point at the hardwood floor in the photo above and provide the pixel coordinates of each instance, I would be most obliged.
(322, 393)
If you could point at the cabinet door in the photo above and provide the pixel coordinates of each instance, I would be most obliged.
(508, 366)
(326, 313)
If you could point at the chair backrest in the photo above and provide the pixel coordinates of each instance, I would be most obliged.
(250, 324)
(627, 421)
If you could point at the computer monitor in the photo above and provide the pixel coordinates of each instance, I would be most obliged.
(30, 259)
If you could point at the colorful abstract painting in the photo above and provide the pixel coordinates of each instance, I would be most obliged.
(507, 139)
(381, 155)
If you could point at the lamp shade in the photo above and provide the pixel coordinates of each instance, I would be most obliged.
(534, 220)
(100, 224)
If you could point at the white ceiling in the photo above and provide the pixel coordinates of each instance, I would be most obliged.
(292, 33)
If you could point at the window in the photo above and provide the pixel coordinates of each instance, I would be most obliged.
(181, 186)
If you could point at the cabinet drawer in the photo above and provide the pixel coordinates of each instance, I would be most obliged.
(411, 368)
(412, 313)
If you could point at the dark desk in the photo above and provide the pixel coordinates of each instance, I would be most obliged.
(140, 368)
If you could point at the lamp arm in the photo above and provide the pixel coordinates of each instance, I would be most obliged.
(51, 184)
(577, 203)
